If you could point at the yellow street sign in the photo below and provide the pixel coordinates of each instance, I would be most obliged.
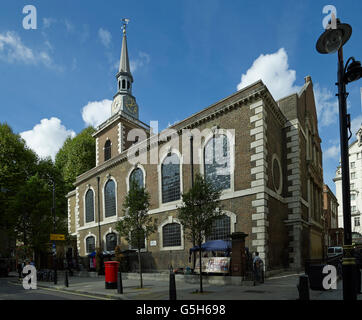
(57, 236)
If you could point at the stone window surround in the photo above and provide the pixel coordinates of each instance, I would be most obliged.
(168, 220)
(85, 242)
(136, 166)
(110, 230)
(231, 141)
(89, 187)
(112, 218)
(159, 172)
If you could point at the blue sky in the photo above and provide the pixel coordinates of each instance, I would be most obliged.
(185, 55)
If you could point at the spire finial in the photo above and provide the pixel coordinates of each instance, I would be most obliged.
(124, 24)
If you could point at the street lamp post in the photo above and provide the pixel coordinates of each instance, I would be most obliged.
(331, 41)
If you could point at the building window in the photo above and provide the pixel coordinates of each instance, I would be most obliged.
(110, 199)
(171, 235)
(353, 175)
(353, 165)
(111, 241)
(353, 196)
(356, 222)
(107, 150)
(170, 176)
(217, 162)
(123, 84)
(137, 176)
(90, 244)
(352, 186)
(89, 206)
(128, 85)
(353, 208)
(220, 229)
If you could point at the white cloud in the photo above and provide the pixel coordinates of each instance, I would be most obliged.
(143, 59)
(47, 22)
(105, 37)
(327, 106)
(332, 153)
(12, 50)
(47, 137)
(273, 70)
(96, 112)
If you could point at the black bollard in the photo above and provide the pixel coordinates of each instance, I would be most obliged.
(172, 286)
(303, 287)
(119, 283)
(66, 282)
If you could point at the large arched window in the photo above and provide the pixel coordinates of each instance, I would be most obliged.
(220, 229)
(89, 206)
(170, 176)
(111, 241)
(171, 235)
(137, 176)
(90, 244)
(107, 150)
(110, 199)
(217, 162)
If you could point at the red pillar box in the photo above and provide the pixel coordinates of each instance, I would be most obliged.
(111, 269)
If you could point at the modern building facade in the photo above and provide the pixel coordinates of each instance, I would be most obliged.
(355, 167)
(264, 154)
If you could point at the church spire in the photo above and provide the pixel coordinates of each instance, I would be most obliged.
(123, 101)
(124, 62)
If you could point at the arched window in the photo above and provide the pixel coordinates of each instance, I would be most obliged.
(137, 176)
(170, 176)
(123, 84)
(119, 84)
(89, 206)
(171, 235)
(220, 229)
(128, 85)
(110, 199)
(111, 241)
(90, 244)
(107, 150)
(217, 162)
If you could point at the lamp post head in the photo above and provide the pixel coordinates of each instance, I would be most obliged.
(354, 72)
(332, 40)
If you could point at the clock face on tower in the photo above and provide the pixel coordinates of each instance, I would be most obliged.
(116, 105)
(131, 106)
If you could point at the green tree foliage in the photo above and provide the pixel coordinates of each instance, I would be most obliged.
(76, 156)
(200, 208)
(136, 225)
(26, 184)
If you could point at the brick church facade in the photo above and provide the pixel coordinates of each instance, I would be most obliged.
(272, 177)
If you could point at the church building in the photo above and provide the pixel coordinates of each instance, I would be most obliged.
(271, 175)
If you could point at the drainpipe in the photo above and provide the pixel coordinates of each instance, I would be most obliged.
(99, 216)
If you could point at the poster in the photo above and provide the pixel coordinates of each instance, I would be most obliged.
(213, 265)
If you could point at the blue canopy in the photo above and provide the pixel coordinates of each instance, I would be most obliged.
(214, 245)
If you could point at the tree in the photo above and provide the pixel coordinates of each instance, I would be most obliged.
(136, 225)
(76, 156)
(200, 208)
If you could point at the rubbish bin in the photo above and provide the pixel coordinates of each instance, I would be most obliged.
(316, 276)
(111, 269)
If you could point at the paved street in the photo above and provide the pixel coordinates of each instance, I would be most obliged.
(10, 290)
(281, 287)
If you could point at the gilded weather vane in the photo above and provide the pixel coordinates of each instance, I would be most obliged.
(124, 24)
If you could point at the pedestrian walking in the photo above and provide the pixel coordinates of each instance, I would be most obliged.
(258, 267)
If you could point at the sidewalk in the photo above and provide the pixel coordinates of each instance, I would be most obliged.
(282, 287)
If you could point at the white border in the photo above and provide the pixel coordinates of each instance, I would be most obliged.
(112, 218)
(137, 166)
(89, 187)
(85, 242)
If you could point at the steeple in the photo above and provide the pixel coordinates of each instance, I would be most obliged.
(123, 100)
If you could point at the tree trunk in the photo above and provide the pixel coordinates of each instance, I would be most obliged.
(140, 267)
(201, 290)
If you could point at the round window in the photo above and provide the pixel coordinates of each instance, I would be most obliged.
(277, 175)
